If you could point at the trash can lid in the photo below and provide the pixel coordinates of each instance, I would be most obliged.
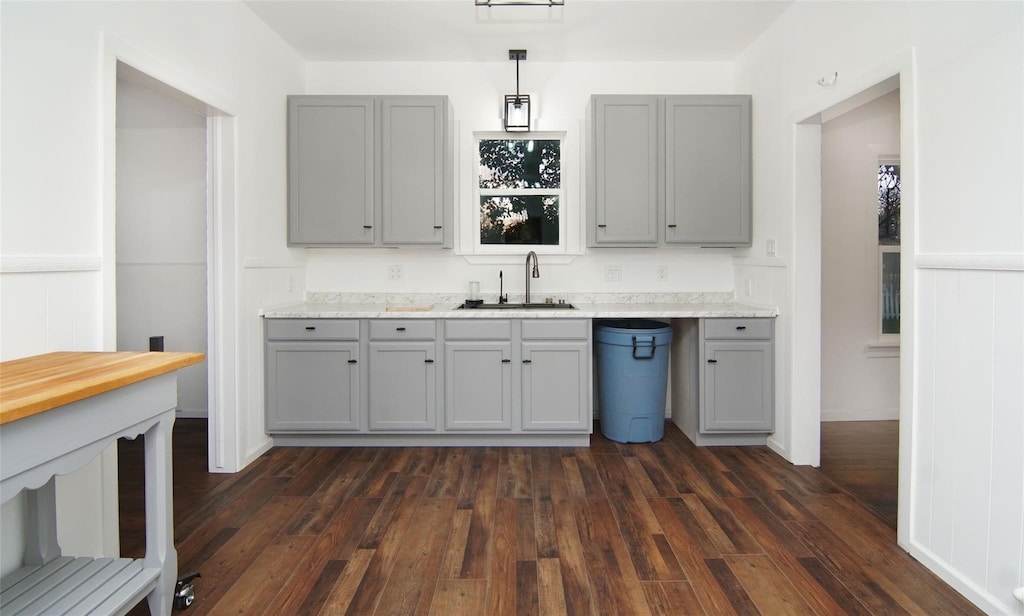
(646, 326)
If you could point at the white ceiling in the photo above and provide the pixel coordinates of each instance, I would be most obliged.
(457, 30)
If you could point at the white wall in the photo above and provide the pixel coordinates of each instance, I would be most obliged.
(58, 65)
(161, 232)
(858, 381)
(561, 92)
(962, 466)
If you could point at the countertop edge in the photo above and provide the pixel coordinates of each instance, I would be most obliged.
(583, 311)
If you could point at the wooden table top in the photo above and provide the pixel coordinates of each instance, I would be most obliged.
(36, 384)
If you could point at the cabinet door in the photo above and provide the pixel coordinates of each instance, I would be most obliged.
(313, 386)
(478, 385)
(738, 387)
(331, 173)
(707, 167)
(625, 171)
(403, 385)
(413, 192)
(556, 386)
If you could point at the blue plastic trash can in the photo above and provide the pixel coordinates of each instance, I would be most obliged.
(632, 376)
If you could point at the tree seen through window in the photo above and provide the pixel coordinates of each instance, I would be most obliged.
(520, 183)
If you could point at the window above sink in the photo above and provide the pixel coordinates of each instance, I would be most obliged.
(518, 192)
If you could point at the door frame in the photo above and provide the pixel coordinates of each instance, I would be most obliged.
(805, 294)
(120, 57)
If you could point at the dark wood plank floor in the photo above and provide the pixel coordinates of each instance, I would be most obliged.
(863, 457)
(662, 528)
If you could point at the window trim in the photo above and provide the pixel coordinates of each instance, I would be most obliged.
(570, 216)
(883, 338)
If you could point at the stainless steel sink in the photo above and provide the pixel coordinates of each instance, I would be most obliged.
(530, 306)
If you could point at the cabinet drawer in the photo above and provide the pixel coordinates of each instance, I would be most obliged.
(557, 329)
(312, 329)
(477, 329)
(738, 329)
(403, 329)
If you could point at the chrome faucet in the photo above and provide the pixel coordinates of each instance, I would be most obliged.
(534, 274)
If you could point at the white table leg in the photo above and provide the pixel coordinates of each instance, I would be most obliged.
(41, 543)
(160, 550)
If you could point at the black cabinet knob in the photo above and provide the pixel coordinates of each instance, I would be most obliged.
(506, 361)
(352, 361)
(712, 361)
(399, 329)
(310, 328)
(741, 327)
(428, 361)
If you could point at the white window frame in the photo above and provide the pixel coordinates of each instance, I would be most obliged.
(570, 197)
(887, 345)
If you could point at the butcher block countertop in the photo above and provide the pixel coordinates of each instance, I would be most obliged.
(37, 384)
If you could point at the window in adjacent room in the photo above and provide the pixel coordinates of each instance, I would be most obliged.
(519, 189)
(889, 248)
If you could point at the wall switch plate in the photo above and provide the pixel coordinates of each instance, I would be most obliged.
(770, 247)
(661, 272)
(395, 272)
(613, 273)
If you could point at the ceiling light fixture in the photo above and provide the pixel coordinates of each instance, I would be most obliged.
(490, 3)
(517, 106)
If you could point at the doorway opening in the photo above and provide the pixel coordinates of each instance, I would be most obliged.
(807, 292)
(860, 244)
(209, 256)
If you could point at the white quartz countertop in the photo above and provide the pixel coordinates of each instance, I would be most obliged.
(449, 310)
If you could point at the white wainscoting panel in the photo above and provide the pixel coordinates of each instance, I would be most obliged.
(968, 466)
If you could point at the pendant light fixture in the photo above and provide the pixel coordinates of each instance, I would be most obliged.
(517, 106)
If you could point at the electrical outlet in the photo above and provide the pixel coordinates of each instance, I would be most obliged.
(395, 272)
(613, 273)
(661, 272)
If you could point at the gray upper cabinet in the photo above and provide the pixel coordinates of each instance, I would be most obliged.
(374, 171)
(668, 170)
(414, 160)
(332, 182)
(625, 160)
(707, 164)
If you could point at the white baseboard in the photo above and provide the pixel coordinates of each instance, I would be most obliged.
(977, 595)
(867, 415)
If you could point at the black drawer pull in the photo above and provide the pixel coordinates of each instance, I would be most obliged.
(367, 226)
(399, 329)
(506, 361)
(353, 361)
(438, 227)
(741, 327)
(428, 361)
(712, 361)
(310, 328)
(527, 361)
(672, 226)
(601, 226)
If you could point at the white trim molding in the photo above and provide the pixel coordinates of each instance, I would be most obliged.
(993, 262)
(22, 264)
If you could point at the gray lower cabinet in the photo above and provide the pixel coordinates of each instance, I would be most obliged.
(737, 368)
(556, 368)
(512, 376)
(404, 374)
(667, 170)
(313, 376)
(478, 374)
(370, 171)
